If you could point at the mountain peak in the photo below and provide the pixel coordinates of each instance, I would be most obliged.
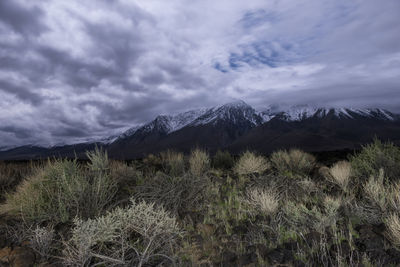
(236, 104)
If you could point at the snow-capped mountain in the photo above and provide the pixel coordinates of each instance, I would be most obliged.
(302, 112)
(239, 112)
(236, 126)
(234, 112)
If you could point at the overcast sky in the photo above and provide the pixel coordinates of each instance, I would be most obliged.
(75, 69)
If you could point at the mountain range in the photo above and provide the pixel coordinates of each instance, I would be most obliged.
(237, 126)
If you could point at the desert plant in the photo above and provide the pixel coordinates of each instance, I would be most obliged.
(267, 201)
(176, 194)
(293, 163)
(139, 234)
(340, 174)
(376, 192)
(62, 190)
(393, 229)
(223, 160)
(302, 218)
(173, 162)
(199, 162)
(375, 201)
(374, 157)
(41, 240)
(250, 163)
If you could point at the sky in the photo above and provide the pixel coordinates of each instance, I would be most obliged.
(74, 70)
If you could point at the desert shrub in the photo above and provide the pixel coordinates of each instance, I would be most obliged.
(41, 240)
(199, 162)
(303, 218)
(250, 163)
(374, 157)
(173, 162)
(375, 201)
(139, 234)
(228, 208)
(127, 177)
(392, 224)
(287, 188)
(340, 174)
(176, 194)
(394, 197)
(267, 201)
(293, 163)
(62, 190)
(376, 192)
(223, 160)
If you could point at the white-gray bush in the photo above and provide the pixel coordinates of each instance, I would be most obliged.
(41, 240)
(142, 233)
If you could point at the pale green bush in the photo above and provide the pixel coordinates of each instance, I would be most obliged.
(173, 162)
(374, 157)
(223, 160)
(177, 194)
(139, 234)
(302, 218)
(199, 162)
(62, 190)
(293, 163)
(250, 163)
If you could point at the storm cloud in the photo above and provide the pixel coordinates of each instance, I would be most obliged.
(76, 70)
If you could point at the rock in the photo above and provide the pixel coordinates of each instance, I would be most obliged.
(262, 250)
(206, 229)
(312, 237)
(247, 259)
(280, 256)
(228, 257)
(394, 255)
(290, 246)
(22, 257)
(325, 173)
(369, 239)
(4, 254)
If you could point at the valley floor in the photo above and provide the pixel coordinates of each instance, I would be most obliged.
(171, 209)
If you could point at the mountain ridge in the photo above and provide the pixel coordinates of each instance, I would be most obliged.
(237, 126)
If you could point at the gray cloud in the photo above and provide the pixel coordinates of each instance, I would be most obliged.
(73, 70)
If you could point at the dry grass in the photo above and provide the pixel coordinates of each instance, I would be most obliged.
(173, 162)
(267, 201)
(293, 163)
(376, 192)
(250, 163)
(341, 173)
(393, 229)
(199, 162)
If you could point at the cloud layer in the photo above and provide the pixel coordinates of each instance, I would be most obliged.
(73, 70)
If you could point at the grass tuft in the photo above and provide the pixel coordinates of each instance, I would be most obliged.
(250, 163)
(293, 163)
(199, 162)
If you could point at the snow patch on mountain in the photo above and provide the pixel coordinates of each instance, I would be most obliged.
(234, 111)
(302, 112)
